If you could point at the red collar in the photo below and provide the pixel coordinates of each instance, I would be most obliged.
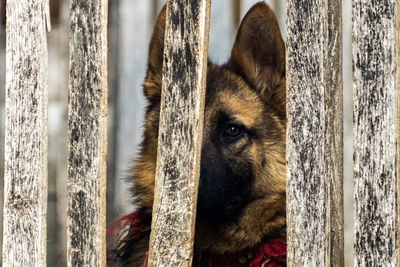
(270, 253)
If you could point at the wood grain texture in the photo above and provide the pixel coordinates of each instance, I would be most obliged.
(314, 133)
(87, 133)
(26, 134)
(180, 133)
(375, 81)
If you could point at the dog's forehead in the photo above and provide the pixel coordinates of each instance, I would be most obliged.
(223, 83)
(228, 92)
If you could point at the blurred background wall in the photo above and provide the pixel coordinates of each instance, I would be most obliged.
(130, 28)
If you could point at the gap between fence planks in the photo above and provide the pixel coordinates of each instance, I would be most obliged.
(87, 133)
(25, 203)
(180, 133)
(376, 132)
(314, 133)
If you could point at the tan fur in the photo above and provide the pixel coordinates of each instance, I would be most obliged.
(259, 219)
(241, 106)
(266, 214)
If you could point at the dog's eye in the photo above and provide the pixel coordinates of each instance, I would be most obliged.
(233, 130)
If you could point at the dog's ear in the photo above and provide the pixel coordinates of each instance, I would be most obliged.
(258, 53)
(152, 82)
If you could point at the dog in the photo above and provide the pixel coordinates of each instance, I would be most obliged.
(242, 186)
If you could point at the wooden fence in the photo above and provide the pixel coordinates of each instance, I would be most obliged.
(314, 133)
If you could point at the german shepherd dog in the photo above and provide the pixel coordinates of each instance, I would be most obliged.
(242, 187)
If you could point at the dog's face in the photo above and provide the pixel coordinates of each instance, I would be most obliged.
(243, 136)
(242, 174)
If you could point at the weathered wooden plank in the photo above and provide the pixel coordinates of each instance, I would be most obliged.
(180, 133)
(314, 133)
(376, 132)
(26, 134)
(87, 133)
(2, 125)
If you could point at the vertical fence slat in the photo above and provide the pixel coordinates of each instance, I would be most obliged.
(180, 133)
(314, 133)
(376, 87)
(26, 134)
(87, 133)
